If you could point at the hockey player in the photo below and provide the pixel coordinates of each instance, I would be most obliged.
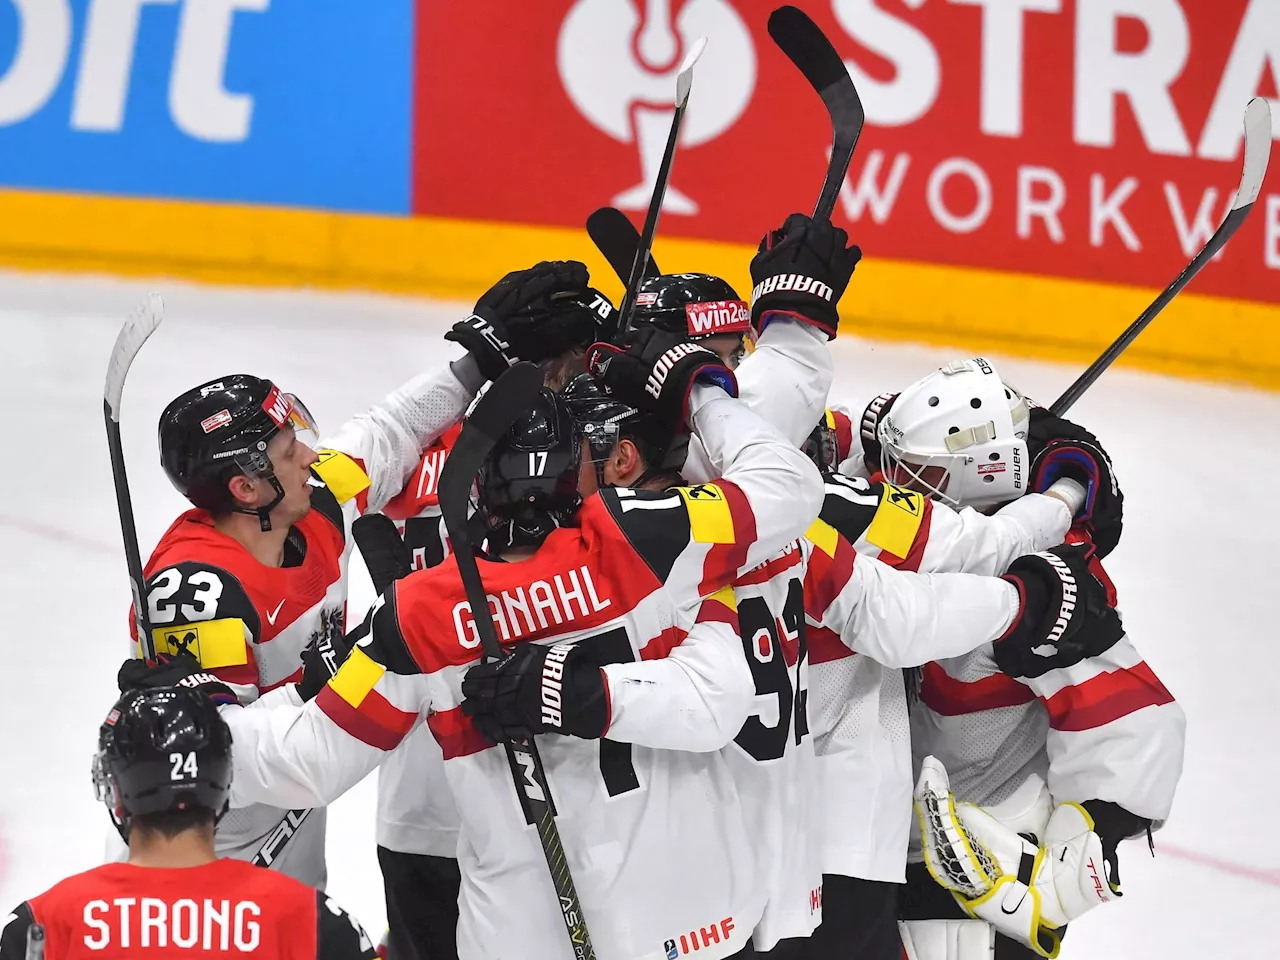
(163, 769)
(254, 574)
(1076, 745)
(655, 837)
(418, 826)
(700, 308)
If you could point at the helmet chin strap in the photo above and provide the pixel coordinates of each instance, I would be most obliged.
(264, 513)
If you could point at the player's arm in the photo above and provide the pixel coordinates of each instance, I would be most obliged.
(696, 698)
(902, 619)
(203, 610)
(785, 381)
(339, 935)
(13, 937)
(307, 756)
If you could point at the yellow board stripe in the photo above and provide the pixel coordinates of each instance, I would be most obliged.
(340, 474)
(356, 677)
(215, 643)
(965, 308)
(710, 520)
(823, 536)
(897, 520)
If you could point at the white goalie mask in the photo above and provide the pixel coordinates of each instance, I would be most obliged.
(959, 435)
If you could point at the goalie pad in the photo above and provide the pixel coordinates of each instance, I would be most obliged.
(947, 939)
(993, 864)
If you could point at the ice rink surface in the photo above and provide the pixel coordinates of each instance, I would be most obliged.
(1196, 573)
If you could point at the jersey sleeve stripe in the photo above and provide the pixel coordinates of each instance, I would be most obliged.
(825, 646)
(1106, 697)
(949, 697)
(910, 559)
(456, 734)
(215, 643)
(724, 560)
(721, 607)
(376, 722)
(826, 576)
(357, 677)
(769, 569)
(662, 645)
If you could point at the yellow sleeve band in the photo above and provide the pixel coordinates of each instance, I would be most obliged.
(342, 475)
(710, 520)
(897, 520)
(356, 677)
(215, 643)
(823, 536)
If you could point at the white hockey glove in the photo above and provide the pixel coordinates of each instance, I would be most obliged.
(1023, 889)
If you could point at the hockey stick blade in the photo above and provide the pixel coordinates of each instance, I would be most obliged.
(509, 397)
(684, 83)
(808, 48)
(1257, 154)
(129, 341)
(617, 239)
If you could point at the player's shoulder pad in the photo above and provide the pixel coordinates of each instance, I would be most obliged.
(657, 524)
(345, 478)
(339, 935)
(204, 610)
(13, 936)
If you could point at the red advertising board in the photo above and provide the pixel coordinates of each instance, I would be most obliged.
(1091, 139)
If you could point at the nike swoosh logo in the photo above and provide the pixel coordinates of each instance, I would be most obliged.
(271, 617)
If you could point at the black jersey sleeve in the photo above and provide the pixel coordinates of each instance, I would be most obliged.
(13, 937)
(203, 610)
(849, 504)
(339, 935)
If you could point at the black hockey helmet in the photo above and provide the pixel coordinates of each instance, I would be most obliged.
(603, 420)
(528, 486)
(162, 750)
(695, 305)
(583, 319)
(221, 428)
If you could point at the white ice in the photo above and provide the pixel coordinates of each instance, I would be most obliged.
(1194, 572)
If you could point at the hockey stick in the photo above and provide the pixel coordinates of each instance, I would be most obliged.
(808, 48)
(684, 83)
(141, 325)
(1257, 153)
(508, 397)
(617, 238)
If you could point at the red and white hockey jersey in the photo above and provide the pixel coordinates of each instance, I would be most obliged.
(650, 815)
(249, 623)
(1092, 724)
(860, 719)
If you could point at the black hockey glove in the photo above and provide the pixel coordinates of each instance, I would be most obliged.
(538, 689)
(655, 371)
(802, 270)
(322, 657)
(505, 324)
(182, 670)
(1060, 448)
(1064, 615)
(385, 555)
(869, 432)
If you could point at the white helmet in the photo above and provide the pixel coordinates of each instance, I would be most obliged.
(960, 435)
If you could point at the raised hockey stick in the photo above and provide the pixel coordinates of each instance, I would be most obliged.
(1257, 153)
(617, 238)
(640, 262)
(808, 48)
(508, 397)
(141, 325)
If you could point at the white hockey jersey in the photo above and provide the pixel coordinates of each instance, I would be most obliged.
(860, 719)
(249, 623)
(650, 815)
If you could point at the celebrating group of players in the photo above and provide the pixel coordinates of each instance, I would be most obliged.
(739, 624)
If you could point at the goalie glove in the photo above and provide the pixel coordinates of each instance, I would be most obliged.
(1025, 889)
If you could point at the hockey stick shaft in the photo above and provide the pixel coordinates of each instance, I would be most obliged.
(1257, 152)
(508, 397)
(132, 336)
(684, 83)
(617, 239)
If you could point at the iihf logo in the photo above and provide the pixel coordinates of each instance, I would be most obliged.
(618, 61)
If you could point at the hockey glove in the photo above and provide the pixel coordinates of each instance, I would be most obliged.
(505, 325)
(538, 689)
(1063, 617)
(1059, 448)
(383, 549)
(1025, 889)
(656, 370)
(322, 657)
(869, 431)
(802, 270)
(182, 670)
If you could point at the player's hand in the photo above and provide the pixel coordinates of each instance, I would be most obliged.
(503, 328)
(322, 657)
(1060, 448)
(802, 270)
(1063, 616)
(655, 370)
(182, 670)
(538, 689)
